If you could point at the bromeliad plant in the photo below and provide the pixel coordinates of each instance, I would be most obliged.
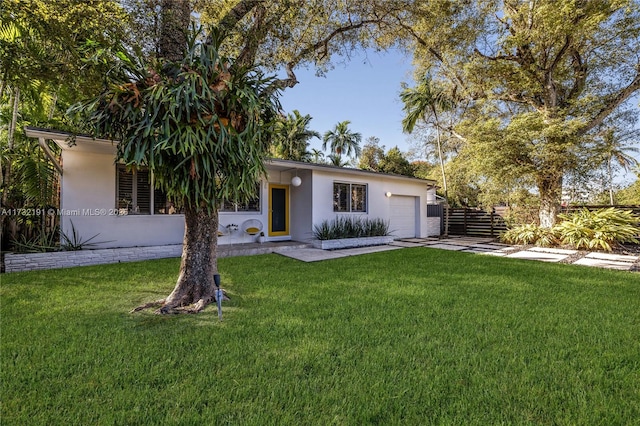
(350, 227)
(201, 125)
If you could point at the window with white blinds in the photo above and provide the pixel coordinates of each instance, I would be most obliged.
(135, 193)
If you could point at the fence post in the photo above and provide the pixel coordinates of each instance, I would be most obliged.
(447, 212)
(464, 222)
(492, 213)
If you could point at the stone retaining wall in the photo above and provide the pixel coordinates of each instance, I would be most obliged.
(351, 242)
(16, 262)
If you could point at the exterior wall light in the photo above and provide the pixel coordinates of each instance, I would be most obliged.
(296, 181)
(388, 194)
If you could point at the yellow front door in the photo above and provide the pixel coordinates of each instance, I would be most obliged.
(278, 210)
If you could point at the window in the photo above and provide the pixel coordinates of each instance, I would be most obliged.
(349, 197)
(135, 193)
(252, 206)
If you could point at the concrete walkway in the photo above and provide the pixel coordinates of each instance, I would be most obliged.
(302, 251)
(486, 246)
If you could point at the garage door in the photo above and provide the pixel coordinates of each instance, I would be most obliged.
(402, 223)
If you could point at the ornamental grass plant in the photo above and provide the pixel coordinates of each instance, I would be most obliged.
(350, 227)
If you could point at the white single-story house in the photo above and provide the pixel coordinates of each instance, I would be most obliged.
(100, 197)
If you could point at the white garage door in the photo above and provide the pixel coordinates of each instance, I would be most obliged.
(402, 222)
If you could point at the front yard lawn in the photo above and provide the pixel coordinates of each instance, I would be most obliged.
(411, 336)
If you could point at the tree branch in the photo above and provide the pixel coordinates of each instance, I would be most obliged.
(259, 29)
(613, 103)
(254, 35)
(514, 58)
(458, 135)
(559, 56)
(231, 19)
(450, 130)
(433, 52)
(580, 72)
(519, 98)
(235, 15)
(321, 46)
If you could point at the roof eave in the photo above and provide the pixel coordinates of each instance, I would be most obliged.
(68, 141)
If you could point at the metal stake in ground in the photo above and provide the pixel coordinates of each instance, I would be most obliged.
(219, 295)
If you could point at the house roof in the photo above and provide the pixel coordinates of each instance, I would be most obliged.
(81, 143)
(282, 165)
(87, 143)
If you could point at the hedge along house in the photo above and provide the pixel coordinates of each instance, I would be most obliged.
(103, 198)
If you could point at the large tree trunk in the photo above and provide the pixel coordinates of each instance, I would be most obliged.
(550, 188)
(195, 287)
(174, 23)
(440, 157)
(610, 172)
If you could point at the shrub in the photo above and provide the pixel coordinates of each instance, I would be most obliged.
(530, 234)
(350, 227)
(599, 229)
(376, 228)
(41, 243)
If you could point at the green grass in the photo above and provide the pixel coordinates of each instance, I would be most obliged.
(412, 336)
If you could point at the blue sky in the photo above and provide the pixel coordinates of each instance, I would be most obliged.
(364, 91)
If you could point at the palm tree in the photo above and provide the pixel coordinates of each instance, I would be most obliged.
(615, 149)
(291, 137)
(342, 140)
(317, 156)
(420, 103)
(337, 160)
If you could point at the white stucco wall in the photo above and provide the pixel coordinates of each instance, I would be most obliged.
(88, 201)
(89, 192)
(378, 204)
(302, 208)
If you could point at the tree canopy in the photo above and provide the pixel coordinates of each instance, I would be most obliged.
(288, 34)
(198, 117)
(393, 161)
(291, 135)
(536, 78)
(43, 47)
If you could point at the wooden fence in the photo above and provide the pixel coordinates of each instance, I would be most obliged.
(475, 222)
